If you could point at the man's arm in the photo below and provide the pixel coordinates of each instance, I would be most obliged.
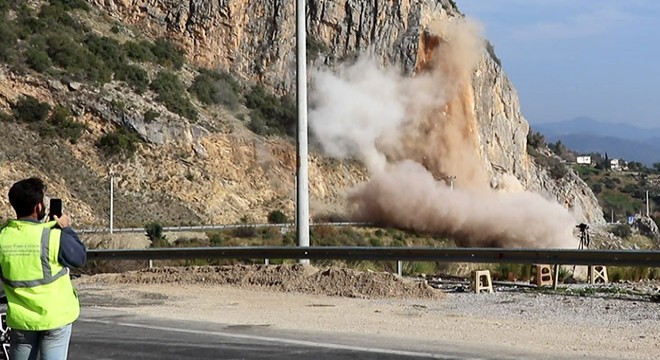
(73, 253)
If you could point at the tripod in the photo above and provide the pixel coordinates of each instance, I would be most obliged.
(584, 239)
(584, 236)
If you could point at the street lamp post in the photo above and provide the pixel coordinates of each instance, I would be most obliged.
(302, 198)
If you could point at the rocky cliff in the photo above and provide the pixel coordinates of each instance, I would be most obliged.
(216, 171)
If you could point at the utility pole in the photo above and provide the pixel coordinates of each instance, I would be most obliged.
(112, 197)
(302, 199)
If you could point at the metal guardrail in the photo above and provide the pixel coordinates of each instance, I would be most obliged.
(472, 255)
(214, 227)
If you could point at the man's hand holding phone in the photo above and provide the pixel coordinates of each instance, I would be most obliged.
(63, 221)
(55, 213)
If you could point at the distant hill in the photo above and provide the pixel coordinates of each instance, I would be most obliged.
(585, 135)
(588, 126)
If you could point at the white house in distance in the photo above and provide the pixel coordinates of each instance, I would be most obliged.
(616, 164)
(584, 160)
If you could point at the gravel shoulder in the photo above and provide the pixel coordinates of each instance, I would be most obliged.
(552, 326)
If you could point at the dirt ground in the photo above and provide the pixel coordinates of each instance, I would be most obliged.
(305, 298)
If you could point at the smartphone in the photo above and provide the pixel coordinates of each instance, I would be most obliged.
(54, 208)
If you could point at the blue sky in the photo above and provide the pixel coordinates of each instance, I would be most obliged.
(570, 58)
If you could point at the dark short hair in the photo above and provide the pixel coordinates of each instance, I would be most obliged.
(25, 195)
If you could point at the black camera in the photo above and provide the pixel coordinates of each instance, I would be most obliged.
(583, 227)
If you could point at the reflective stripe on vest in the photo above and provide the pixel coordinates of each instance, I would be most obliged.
(48, 277)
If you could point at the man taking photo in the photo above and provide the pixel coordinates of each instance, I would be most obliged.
(35, 258)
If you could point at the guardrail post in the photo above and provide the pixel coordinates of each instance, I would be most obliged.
(151, 264)
(266, 261)
(399, 267)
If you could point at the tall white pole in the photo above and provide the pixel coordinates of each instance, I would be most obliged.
(302, 199)
(112, 199)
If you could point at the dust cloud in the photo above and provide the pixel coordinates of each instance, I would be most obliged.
(418, 138)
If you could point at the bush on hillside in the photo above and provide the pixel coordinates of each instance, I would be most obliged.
(37, 60)
(30, 110)
(621, 230)
(269, 114)
(64, 125)
(277, 217)
(120, 142)
(7, 39)
(76, 60)
(168, 54)
(214, 88)
(150, 116)
(134, 76)
(139, 51)
(106, 49)
(173, 95)
(154, 231)
(535, 139)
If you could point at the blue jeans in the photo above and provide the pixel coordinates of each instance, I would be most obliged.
(52, 344)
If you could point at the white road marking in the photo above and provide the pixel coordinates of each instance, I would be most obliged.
(282, 340)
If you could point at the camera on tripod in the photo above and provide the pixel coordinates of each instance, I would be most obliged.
(584, 236)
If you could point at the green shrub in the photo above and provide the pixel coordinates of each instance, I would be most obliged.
(134, 76)
(632, 273)
(120, 142)
(154, 231)
(216, 88)
(621, 230)
(277, 217)
(244, 231)
(7, 39)
(535, 139)
(64, 126)
(139, 51)
(37, 59)
(168, 54)
(216, 238)
(269, 114)
(376, 242)
(56, 15)
(78, 62)
(173, 95)
(107, 49)
(72, 4)
(558, 170)
(30, 110)
(191, 242)
(151, 115)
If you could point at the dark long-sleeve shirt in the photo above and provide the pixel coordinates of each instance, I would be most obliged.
(73, 252)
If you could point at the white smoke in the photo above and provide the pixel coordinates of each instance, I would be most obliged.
(412, 132)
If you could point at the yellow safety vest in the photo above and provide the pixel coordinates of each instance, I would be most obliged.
(40, 294)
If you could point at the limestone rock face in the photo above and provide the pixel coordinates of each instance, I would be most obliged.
(647, 227)
(256, 41)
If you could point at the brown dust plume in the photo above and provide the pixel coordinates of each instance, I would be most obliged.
(418, 136)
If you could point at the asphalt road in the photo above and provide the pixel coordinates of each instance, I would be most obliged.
(103, 335)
